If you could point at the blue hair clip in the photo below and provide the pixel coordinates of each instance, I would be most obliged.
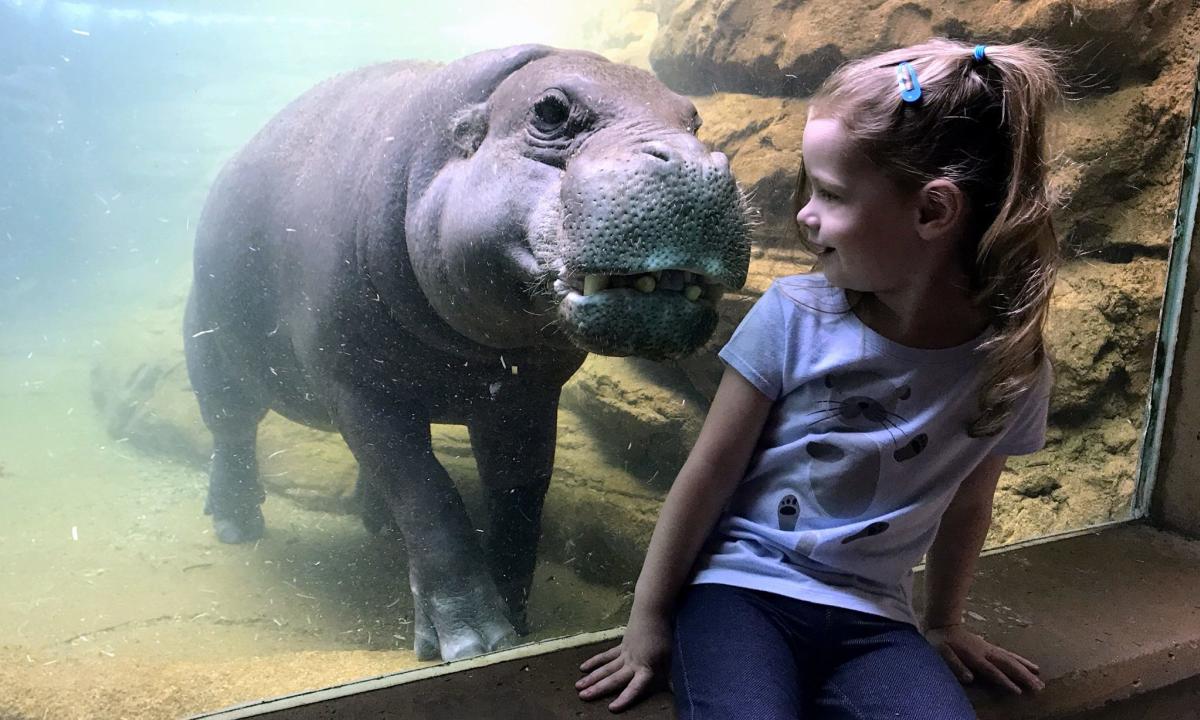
(906, 78)
(980, 53)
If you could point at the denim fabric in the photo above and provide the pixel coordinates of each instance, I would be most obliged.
(748, 655)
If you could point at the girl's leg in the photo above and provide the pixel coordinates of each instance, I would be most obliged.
(732, 657)
(886, 669)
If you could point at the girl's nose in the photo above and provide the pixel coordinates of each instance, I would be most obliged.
(806, 218)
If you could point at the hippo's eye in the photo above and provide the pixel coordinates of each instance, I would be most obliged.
(551, 112)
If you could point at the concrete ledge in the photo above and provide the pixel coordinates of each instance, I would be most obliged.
(1108, 615)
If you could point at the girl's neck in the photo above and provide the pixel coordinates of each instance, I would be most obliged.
(928, 320)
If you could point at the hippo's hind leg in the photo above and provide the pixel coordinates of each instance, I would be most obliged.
(459, 612)
(371, 504)
(231, 409)
(514, 449)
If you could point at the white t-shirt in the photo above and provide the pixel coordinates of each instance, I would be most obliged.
(863, 450)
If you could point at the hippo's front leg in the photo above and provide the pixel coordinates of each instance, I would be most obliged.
(514, 448)
(459, 612)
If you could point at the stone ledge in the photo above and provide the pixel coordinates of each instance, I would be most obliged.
(1108, 615)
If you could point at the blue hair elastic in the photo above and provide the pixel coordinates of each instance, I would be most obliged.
(906, 78)
(980, 53)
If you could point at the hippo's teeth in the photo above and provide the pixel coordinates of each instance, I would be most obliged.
(692, 292)
(645, 283)
(593, 284)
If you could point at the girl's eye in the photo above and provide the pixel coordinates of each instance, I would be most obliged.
(825, 194)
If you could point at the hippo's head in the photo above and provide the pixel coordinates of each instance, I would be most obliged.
(578, 205)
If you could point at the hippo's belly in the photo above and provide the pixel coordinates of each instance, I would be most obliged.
(444, 387)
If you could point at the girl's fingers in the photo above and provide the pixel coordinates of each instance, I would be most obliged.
(1010, 664)
(1027, 663)
(608, 685)
(633, 691)
(996, 675)
(599, 674)
(596, 661)
(956, 665)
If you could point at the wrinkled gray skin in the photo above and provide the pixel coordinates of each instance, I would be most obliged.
(406, 244)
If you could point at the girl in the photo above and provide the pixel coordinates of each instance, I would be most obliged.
(865, 412)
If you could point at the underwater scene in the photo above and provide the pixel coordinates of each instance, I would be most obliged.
(326, 353)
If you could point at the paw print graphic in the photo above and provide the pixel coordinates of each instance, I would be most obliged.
(789, 509)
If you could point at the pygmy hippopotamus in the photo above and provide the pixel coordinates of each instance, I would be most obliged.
(410, 243)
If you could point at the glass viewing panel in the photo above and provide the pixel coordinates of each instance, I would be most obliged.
(116, 119)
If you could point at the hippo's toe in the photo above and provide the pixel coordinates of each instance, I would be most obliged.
(465, 642)
(459, 628)
(240, 528)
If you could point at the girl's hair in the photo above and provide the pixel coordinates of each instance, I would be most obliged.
(980, 124)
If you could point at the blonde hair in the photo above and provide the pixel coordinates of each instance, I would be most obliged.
(980, 124)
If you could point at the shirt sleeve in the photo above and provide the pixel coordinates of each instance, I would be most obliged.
(757, 350)
(1026, 431)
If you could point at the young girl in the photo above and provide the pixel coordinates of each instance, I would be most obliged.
(865, 412)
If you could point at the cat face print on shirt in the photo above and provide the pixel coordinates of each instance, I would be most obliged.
(857, 421)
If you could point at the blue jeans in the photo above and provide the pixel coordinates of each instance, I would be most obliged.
(749, 655)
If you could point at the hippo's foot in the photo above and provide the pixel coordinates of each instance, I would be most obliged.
(235, 495)
(454, 628)
(242, 527)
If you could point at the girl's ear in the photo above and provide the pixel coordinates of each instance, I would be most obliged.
(942, 209)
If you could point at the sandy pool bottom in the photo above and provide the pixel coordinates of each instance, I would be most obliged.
(119, 603)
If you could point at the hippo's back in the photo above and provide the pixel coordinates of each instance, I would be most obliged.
(319, 143)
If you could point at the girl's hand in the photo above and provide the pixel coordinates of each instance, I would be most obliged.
(969, 655)
(634, 667)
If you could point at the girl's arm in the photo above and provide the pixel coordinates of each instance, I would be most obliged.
(949, 568)
(713, 469)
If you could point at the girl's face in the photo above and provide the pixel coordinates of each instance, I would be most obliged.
(859, 222)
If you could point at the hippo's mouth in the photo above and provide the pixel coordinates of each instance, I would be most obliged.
(693, 286)
(656, 314)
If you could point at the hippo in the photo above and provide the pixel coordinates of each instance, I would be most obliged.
(411, 243)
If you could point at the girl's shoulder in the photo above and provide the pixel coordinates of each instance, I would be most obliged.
(811, 291)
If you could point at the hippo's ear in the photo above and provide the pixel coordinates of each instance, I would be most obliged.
(479, 75)
(468, 127)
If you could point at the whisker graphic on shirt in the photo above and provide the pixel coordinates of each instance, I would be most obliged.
(888, 425)
(830, 414)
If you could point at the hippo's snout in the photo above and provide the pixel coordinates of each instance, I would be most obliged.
(652, 235)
